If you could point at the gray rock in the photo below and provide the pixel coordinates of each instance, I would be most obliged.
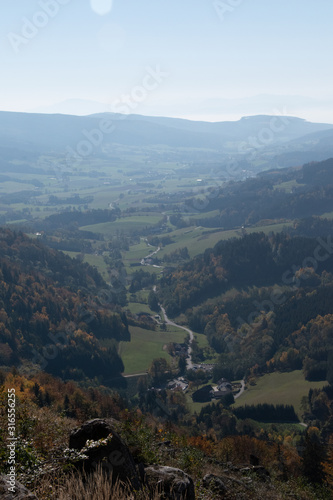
(114, 456)
(259, 470)
(95, 429)
(173, 484)
(214, 483)
(246, 470)
(21, 492)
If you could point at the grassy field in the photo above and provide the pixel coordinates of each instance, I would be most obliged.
(201, 339)
(195, 240)
(14, 187)
(140, 304)
(145, 346)
(123, 225)
(279, 388)
(198, 239)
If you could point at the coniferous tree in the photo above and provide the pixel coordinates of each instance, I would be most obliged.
(313, 457)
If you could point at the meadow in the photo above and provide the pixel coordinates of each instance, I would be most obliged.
(286, 388)
(197, 238)
(126, 225)
(145, 346)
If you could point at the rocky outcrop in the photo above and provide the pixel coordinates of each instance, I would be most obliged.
(99, 441)
(106, 449)
(93, 430)
(259, 470)
(214, 483)
(20, 491)
(173, 484)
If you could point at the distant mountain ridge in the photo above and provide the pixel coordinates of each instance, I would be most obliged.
(42, 133)
(214, 108)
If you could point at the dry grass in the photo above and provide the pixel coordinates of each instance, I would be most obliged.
(97, 486)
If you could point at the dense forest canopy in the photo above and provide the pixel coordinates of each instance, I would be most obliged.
(249, 295)
(52, 314)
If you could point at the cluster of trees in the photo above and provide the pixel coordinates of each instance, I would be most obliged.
(267, 413)
(178, 255)
(18, 197)
(76, 218)
(311, 227)
(177, 220)
(73, 200)
(202, 395)
(143, 320)
(71, 241)
(315, 341)
(141, 279)
(14, 215)
(215, 416)
(318, 411)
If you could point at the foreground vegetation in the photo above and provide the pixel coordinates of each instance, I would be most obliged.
(47, 409)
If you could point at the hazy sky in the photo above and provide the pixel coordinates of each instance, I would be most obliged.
(187, 58)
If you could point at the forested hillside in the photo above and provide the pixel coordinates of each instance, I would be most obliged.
(251, 295)
(56, 313)
(264, 197)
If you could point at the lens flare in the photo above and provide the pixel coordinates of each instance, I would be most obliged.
(101, 7)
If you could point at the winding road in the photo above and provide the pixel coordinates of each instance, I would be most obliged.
(143, 261)
(189, 364)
